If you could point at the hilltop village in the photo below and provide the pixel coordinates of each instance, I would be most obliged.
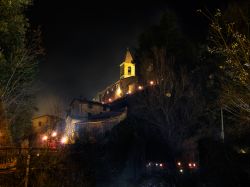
(94, 117)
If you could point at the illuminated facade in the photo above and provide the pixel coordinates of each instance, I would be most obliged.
(126, 85)
(91, 117)
(127, 68)
(45, 125)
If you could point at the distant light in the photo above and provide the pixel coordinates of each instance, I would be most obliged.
(181, 170)
(151, 82)
(37, 154)
(161, 164)
(54, 134)
(179, 163)
(168, 94)
(242, 151)
(149, 164)
(129, 92)
(156, 164)
(140, 87)
(45, 138)
(190, 165)
(64, 140)
(194, 164)
(110, 100)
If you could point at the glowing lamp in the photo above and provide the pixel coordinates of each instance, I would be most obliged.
(161, 165)
(129, 92)
(54, 134)
(140, 87)
(181, 170)
(190, 165)
(110, 100)
(64, 140)
(179, 163)
(151, 82)
(45, 138)
(194, 165)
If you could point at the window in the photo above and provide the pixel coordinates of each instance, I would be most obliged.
(104, 108)
(129, 70)
(90, 105)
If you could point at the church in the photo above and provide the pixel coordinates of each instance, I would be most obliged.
(127, 84)
(96, 117)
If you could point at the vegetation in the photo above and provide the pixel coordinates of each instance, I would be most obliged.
(18, 67)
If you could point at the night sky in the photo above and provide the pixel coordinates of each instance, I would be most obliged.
(86, 41)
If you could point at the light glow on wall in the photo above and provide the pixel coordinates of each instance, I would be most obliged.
(118, 92)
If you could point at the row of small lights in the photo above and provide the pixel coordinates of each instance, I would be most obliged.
(161, 165)
(54, 134)
(190, 165)
(139, 88)
(156, 164)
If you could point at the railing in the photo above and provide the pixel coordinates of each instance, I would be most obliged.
(11, 157)
(17, 165)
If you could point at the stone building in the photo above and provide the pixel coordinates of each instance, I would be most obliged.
(90, 117)
(45, 126)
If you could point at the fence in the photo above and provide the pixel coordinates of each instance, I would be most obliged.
(16, 163)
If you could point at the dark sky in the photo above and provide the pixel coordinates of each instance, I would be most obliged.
(85, 41)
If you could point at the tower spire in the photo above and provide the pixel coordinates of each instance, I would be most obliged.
(128, 57)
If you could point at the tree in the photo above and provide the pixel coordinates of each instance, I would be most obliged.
(18, 66)
(168, 35)
(173, 104)
(229, 46)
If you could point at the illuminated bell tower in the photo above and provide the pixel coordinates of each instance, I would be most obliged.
(127, 68)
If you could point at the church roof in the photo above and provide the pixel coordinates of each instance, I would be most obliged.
(128, 57)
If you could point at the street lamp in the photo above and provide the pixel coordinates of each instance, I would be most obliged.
(222, 125)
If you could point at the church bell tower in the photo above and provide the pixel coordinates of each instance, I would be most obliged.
(127, 68)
